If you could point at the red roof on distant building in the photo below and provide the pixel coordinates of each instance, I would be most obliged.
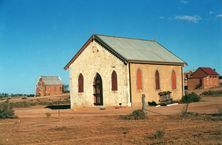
(209, 71)
(203, 72)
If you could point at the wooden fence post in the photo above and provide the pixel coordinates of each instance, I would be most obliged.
(144, 103)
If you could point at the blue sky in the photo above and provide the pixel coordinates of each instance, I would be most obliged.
(39, 37)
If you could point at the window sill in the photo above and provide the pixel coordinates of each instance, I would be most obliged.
(114, 91)
(80, 93)
(140, 90)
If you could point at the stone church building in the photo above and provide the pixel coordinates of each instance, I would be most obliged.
(113, 71)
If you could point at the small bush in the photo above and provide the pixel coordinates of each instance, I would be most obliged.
(159, 134)
(48, 114)
(135, 115)
(193, 97)
(6, 111)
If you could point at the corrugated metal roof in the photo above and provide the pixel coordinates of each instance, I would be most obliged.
(140, 50)
(51, 80)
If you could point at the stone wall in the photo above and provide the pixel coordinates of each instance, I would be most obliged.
(148, 82)
(96, 59)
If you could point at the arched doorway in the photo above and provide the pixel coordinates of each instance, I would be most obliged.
(98, 90)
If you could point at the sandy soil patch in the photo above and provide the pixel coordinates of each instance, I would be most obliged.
(95, 126)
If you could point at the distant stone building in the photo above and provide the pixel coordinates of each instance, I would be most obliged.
(113, 71)
(203, 78)
(49, 85)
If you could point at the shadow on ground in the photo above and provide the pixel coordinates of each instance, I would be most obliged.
(58, 107)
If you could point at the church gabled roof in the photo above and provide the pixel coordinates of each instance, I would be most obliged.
(134, 50)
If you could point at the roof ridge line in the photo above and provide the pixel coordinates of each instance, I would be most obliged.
(125, 37)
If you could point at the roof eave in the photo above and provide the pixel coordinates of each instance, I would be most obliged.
(158, 62)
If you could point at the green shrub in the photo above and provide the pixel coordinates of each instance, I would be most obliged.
(6, 111)
(193, 97)
(159, 134)
(135, 115)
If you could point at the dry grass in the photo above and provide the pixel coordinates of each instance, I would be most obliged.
(33, 101)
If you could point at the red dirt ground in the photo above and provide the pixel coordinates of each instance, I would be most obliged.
(95, 126)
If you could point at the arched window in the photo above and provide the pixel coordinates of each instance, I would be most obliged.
(80, 83)
(174, 80)
(157, 79)
(139, 79)
(114, 81)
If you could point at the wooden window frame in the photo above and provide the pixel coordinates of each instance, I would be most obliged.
(174, 80)
(139, 79)
(157, 80)
(80, 83)
(114, 81)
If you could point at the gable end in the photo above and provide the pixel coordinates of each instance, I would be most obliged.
(100, 42)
